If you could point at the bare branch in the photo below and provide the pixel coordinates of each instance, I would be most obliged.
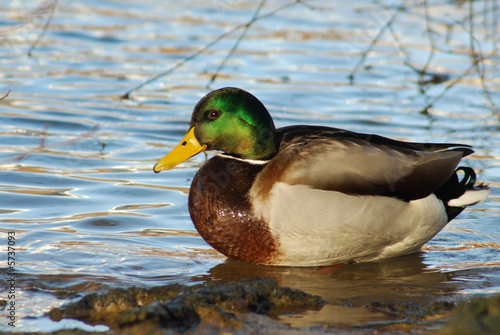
(51, 8)
(43, 144)
(233, 49)
(5, 95)
(206, 47)
(422, 72)
(450, 85)
(477, 58)
(372, 44)
(41, 11)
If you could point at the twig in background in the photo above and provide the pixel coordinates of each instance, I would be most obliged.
(43, 136)
(5, 95)
(487, 94)
(494, 24)
(43, 144)
(403, 51)
(372, 44)
(478, 64)
(233, 49)
(450, 85)
(51, 8)
(471, 30)
(478, 58)
(126, 95)
(436, 78)
(400, 46)
(25, 20)
(429, 30)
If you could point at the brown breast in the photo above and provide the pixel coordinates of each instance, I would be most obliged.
(222, 214)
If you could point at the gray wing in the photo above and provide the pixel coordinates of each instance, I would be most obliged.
(362, 164)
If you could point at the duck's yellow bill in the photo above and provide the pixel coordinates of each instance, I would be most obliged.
(187, 148)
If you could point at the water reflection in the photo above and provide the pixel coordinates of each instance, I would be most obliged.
(349, 288)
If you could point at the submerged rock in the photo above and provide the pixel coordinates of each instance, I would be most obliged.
(213, 306)
(412, 312)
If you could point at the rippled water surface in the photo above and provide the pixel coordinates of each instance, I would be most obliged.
(76, 179)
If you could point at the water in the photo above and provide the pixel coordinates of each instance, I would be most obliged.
(76, 180)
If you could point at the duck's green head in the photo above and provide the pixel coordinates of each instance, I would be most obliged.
(229, 120)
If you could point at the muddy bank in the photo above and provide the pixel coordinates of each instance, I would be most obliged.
(253, 306)
(240, 306)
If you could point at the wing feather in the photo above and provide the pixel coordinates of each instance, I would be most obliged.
(353, 163)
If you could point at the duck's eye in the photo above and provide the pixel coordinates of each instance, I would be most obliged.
(214, 115)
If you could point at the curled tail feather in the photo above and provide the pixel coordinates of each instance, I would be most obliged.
(457, 194)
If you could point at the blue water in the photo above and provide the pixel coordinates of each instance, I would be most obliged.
(76, 180)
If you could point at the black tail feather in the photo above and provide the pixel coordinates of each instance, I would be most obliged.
(454, 188)
(469, 178)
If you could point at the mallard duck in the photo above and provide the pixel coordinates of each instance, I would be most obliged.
(313, 195)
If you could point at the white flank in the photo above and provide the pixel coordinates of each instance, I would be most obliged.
(470, 197)
(315, 227)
